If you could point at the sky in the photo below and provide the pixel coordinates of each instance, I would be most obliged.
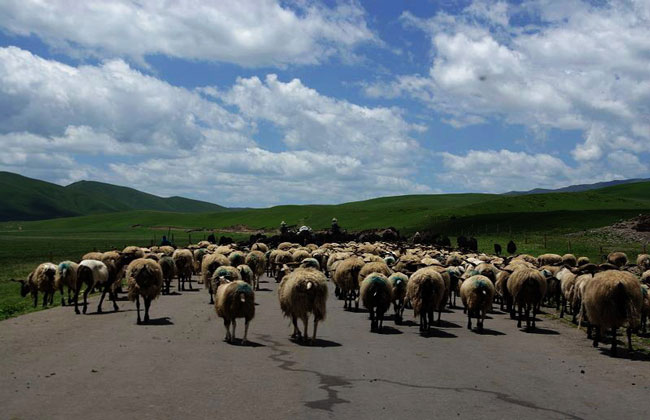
(260, 103)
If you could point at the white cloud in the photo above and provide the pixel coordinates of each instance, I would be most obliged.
(499, 171)
(573, 66)
(112, 123)
(249, 33)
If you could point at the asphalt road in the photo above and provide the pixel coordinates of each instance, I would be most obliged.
(56, 364)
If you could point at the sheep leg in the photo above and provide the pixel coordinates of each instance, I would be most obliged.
(614, 342)
(137, 305)
(51, 296)
(178, 288)
(44, 299)
(629, 338)
(562, 307)
(62, 295)
(313, 337)
(189, 280)
(429, 320)
(439, 314)
(113, 297)
(527, 312)
(423, 321)
(246, 324)
(147, 304)
(535, 310)
(520, 315)
(381, 321)
(296, 331)
(469, 320)
(101, 299)
(226, 323)
(234, 325)
(373, 326)
(305, 321)
(596, 336)
(482, 320)
(86, 291)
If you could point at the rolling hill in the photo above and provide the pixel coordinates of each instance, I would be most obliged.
(26, 198)
(447, 213)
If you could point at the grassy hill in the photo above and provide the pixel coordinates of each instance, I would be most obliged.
(25, 198)
(447, 212)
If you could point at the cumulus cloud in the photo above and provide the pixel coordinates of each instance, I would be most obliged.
(571, 66)
(249, 33)
(498, 171)
(170, 140)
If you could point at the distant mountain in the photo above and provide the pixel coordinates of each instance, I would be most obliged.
(26, 198)
(579, 187)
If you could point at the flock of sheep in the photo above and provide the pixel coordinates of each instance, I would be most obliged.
(423, 278)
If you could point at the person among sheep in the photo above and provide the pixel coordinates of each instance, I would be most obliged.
(336, 229)
(212, 239)
(283, 228)
(165, 241)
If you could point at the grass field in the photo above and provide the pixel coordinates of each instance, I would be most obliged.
(537, 223)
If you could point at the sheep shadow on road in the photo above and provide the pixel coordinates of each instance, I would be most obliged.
(436, 333)
(159, 321)
(487, 331)
(264, 289)
(238, 343)
(541, 331)
(446, 324)
(320, 342)
(388, 330)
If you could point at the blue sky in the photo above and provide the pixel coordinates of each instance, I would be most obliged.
(258, 103)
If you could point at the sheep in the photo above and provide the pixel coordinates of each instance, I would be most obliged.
(569, 260)
(455, 274)
(168, 267)
(235, 299)
(346, 279)
(477, 293)
(299, 255)
(39, 280)
(66, 275)
(425, 290)
(376, 293)
(454, 259)
(209, 264)
(645, 277)
(198, 254)
(310, 263)
(581, 283)
(256, 261)
(645, 310)
(246, 274)
(92, 256)
(549, 259)
(553, 287)
(136, 252)
(285, 246)
(374, 267)
(612, 299)
(166, 249)
(300, 293)
(237, 258)
(92, 273)
(582, 261)
(260, 246)
(527, 287)
(567, 284)
(643, 261)
(501, 287)
(224, 272)
(281, 258)
(334, 258)
(619, 259)
(399, 283)
(144, 277)
(184, 264)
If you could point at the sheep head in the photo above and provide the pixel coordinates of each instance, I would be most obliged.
(24, 287)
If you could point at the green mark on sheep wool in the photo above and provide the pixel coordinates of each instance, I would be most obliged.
(244, 288)
(376, 279)
(473, 272)
(480, 283)
(64, 266)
